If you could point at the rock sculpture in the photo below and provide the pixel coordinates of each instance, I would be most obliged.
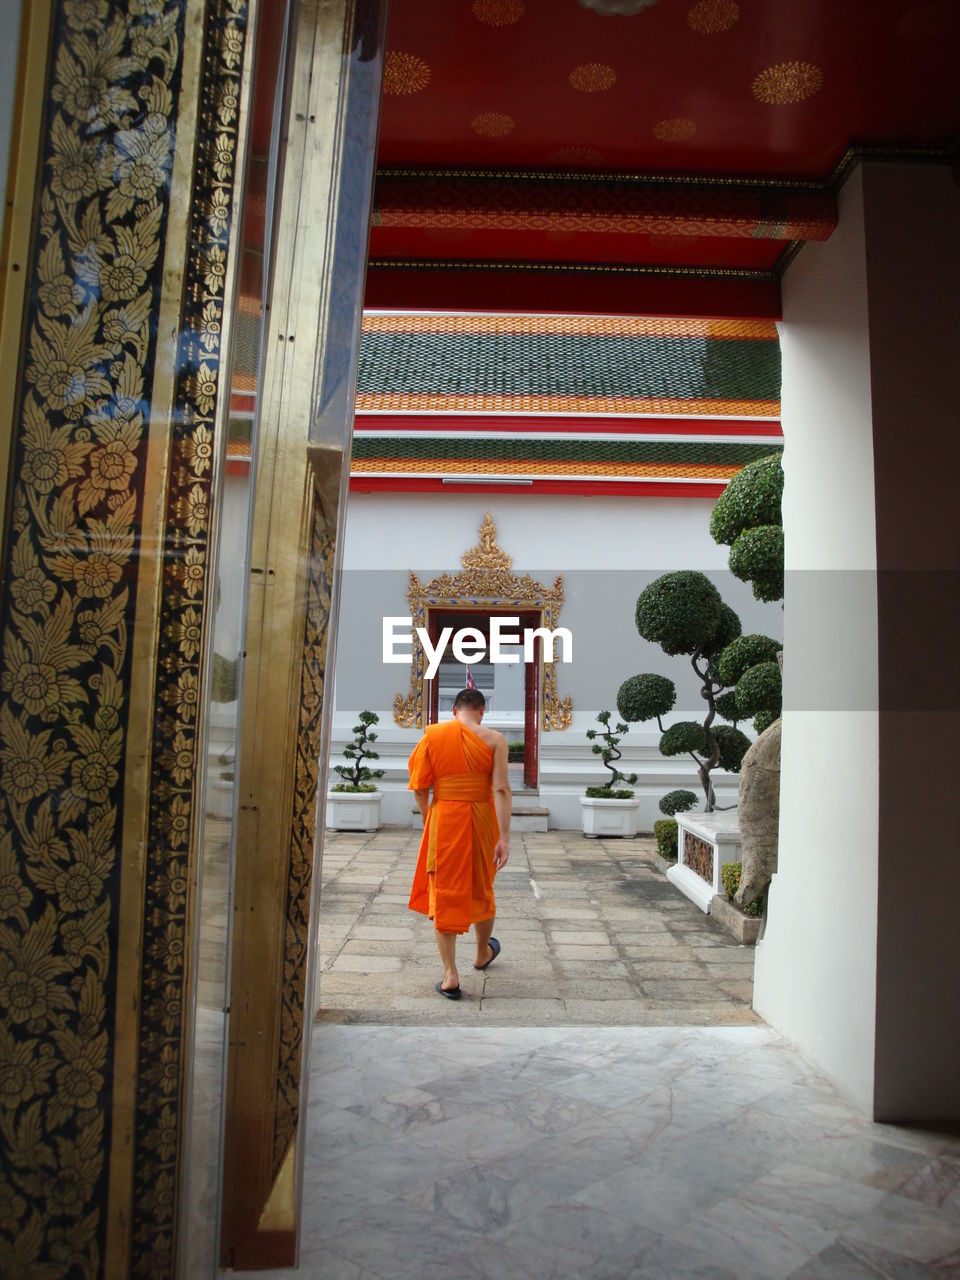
(759, 812)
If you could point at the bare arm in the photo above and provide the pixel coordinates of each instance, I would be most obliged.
(501, 803)
(423, 802)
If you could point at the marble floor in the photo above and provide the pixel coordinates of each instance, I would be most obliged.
(592, 932)
(603, 1103)
(466, 1152)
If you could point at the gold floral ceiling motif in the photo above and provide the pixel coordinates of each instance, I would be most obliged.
(404, 73)
(787, 82)
(492, 124)
(592, 77)
(498, 13)
(710, 16)
(676, 129)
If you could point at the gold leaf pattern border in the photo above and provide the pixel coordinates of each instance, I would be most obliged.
(71, 565)
(302, 832)
(171, 872)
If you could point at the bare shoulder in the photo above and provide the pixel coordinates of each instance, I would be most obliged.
(490, 736)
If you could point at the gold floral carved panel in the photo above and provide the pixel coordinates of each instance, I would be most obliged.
(89, 424)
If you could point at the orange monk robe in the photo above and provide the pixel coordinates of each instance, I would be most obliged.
(453, 883)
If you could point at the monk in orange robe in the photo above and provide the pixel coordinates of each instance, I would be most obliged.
(466, 831)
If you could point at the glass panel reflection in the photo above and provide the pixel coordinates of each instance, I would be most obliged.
(224, 673)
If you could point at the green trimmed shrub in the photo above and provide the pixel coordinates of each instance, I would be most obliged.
(355, 774)
(726, 706)
(745, 652)
(646, 697)
(680, 612)
(762, 721)
(760, 689)
(684, 614)
(677, 802)
(751, 498)
(728, 629)
(757, 557)
(730, 876)
(685, 735)
(665, 831)
(733, 746)
(747, 518)
(609, 751)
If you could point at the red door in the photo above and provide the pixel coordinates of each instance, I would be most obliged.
(531, 720)
(432, 694)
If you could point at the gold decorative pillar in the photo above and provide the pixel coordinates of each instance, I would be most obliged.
(305, 424)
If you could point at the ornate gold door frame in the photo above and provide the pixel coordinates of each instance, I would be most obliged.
(485, 581)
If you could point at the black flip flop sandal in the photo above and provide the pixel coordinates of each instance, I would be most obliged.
(495, 948)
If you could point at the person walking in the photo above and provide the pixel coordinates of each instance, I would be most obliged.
(466, 831)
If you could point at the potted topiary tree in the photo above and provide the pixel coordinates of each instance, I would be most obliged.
(609, 810)
(354, 803)
(684, 613)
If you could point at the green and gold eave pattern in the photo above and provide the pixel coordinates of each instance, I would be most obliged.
(89, 437)
(569, 364)
(580, 456)
(564, 399)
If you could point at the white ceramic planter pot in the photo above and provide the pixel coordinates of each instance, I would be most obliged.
(353, 810)
(608, 817)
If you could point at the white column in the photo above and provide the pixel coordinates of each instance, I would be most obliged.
(816, 966)
(860, 965)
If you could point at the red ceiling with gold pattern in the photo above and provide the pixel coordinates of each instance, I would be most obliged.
(711, 86)
(776, 90)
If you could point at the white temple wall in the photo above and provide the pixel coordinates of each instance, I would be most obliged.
(607, 550)
(816, 970)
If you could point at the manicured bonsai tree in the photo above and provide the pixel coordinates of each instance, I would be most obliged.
(608, 749)
(684, 614)
(747, 519)
(356, 776)
(750, 665)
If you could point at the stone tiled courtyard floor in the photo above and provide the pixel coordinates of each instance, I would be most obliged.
(592, 933)
(475, 1150)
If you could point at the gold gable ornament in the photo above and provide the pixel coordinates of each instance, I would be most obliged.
(486, 555)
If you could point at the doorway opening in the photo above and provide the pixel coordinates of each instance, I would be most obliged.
(511, 687)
